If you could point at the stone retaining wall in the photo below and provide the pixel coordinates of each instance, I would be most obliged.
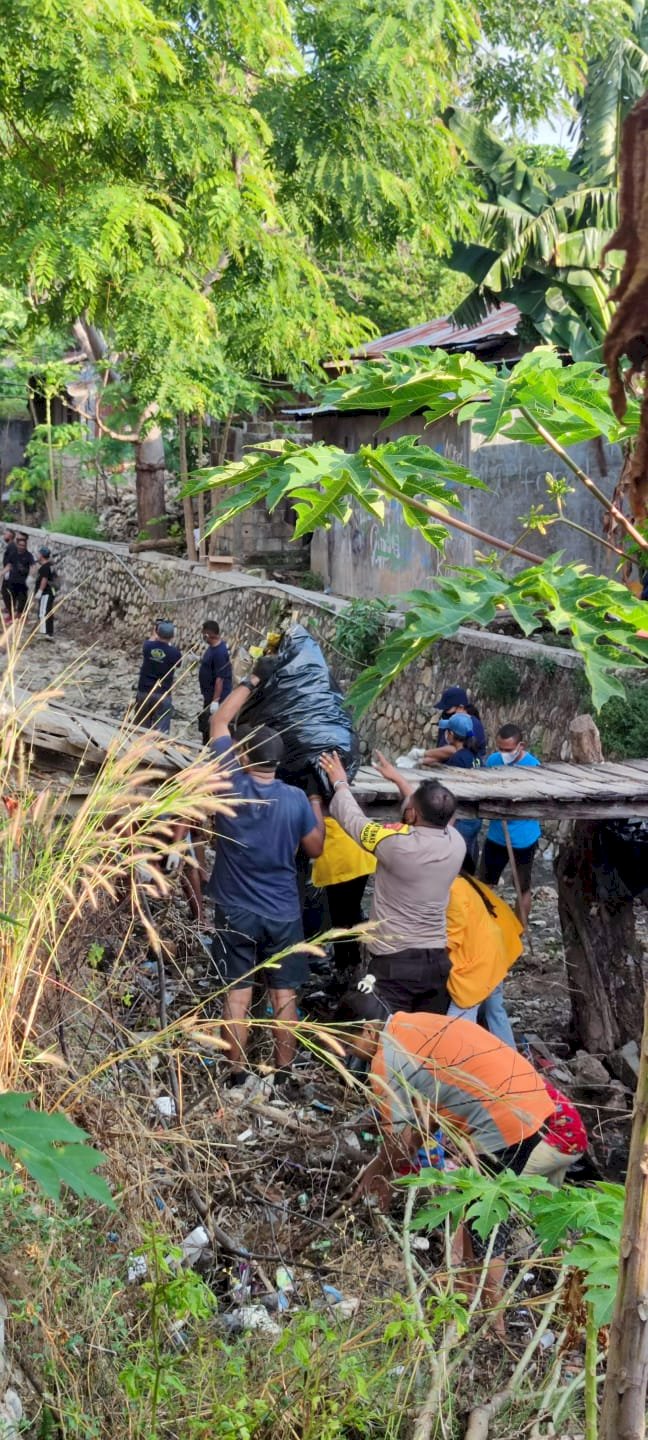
(104, 586)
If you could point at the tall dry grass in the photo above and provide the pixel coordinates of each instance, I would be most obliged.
(73, 835)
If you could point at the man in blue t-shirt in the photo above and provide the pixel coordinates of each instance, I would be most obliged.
(160, 660)
(254, 880)
(524, 834)
(214, 675)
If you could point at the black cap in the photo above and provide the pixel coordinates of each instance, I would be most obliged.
(454, 695)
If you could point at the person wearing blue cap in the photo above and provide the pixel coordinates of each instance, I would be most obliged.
(455, 701)
(460, 748)
(160, 660)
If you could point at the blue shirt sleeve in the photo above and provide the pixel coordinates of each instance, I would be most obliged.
(493, 760)
(224, 746)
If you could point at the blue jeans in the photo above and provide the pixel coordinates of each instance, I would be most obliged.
(494, 1015)
(470, 829)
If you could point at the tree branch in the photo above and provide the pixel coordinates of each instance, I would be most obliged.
(585, 479)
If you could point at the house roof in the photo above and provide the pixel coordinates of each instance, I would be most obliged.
(499, 323)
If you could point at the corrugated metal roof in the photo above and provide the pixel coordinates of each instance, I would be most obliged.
(443, 333)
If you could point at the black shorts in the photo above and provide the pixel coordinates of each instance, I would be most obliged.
(495, 861)
(413, 980)
(514, 1158)
(244, 940)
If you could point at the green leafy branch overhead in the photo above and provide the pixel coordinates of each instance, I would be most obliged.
(541, 402)
(51, 1149)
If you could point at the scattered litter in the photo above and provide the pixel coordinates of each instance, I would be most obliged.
(352, 1141)
(159, 1202)
(419, 1242)
(245, 1135)
(342, 1305)
(548, 1339)
(165, 1106)
(284, 1280)
(194, 1244)
(319, 1105)
(252, 1317)
(137, 1268)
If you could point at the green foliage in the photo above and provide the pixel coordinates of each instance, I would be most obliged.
(498, 680)
(322, 481)
(408, 286)
(77, 522)
(623, 724)
(538, 398)
(51, 1149)
(583, 1224)
(541, 229)
(360, 630)
(602, 617)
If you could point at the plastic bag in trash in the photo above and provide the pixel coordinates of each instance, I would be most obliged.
(299, 698)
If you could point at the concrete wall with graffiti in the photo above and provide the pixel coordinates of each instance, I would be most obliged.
(364, 557)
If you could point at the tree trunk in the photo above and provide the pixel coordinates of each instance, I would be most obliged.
(184, 476)
(149, 480)
(623, 1414)
(603, 956)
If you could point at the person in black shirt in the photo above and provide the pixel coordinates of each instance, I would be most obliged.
(45, 592)
(458, 737)
(454, 701)
(214, 675)
(17, 573)
(160, 660)
(10, 553)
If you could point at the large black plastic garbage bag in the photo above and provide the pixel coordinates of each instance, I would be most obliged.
(300, 699)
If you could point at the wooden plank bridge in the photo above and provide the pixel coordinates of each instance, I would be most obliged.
(75, 740)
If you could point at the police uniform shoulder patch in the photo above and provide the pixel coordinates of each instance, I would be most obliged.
(372, 833)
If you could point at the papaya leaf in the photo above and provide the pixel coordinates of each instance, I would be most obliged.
(51, 1149)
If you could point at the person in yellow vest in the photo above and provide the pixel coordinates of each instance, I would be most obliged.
(342, 870)
(484, 941)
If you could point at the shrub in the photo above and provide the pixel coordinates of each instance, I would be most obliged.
(497, 680)
(623, 725)
(77, 522)
(361, 630)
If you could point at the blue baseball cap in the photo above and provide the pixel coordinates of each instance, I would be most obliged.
(453, 695)
(459, 725)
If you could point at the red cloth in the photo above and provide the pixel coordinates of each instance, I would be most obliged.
(565, 1129)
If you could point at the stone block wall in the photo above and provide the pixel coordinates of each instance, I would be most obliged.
(105, 587)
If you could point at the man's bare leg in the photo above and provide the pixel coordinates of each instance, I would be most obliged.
(284, 1007)
(525, 907)
(236, 1029)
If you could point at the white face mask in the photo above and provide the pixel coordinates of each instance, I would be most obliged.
(508, 757)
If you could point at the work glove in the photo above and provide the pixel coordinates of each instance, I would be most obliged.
(173, 862)
(215, 705)
(367, 985)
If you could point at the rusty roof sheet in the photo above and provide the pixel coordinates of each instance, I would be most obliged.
(502, 321)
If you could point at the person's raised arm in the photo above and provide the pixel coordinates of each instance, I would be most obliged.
(227, 712)
(391, 772)
(312, 843)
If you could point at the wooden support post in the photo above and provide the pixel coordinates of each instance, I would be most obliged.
(516, 882)
(603, 956)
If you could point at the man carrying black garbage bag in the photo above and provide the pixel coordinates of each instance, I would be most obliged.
(254, 881)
